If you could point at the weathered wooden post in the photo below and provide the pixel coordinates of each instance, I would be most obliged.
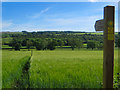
(107, 25)
(108, 58)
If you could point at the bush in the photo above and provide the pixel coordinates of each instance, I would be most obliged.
(51, 45)
(41, 44)
(16, 44)
(91, 44)
(29, 44)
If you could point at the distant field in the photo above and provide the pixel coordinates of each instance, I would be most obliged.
(12, 33)
(89, 33)
(97, 33)
(7, 46)
(6, 40)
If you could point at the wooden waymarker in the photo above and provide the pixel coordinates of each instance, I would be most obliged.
(108, 58)
(107, 25)
(99, 25)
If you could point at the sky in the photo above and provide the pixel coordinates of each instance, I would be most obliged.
(53, 16)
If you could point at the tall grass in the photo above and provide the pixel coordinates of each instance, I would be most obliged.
(67, 69)
(12, 64)
(61, 68)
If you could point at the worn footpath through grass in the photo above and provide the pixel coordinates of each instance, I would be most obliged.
(12, 67)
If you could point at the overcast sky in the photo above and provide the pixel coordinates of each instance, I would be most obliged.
(53, 16)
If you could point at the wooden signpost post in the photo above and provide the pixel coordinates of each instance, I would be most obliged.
(108, 53)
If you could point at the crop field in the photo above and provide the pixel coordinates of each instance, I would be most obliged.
(65, 69)
(12, 63)
(55, 69)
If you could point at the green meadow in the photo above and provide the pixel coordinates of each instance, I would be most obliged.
(12, 64)
(61, 68)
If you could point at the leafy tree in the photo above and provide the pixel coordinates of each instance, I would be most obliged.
(72, 43)
(51, 45)
(45, 44)
(91, 44)
(118, 42)
(16, 44)
(39, 45)
(60, 43)
(79, 44)
(25, 32)
(24, 42)
(29, 44)
(54, 41)
(99, 45)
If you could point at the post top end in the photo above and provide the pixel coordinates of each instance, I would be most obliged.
(109, 6)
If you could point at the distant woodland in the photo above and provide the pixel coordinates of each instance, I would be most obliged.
(54, 39)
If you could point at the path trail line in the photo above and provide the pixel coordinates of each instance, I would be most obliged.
(23, 82)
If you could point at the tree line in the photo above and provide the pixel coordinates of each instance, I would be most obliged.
(51, 44)
(51, 40)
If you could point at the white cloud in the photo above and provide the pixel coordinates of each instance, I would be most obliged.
(4, 0)
(39, 14)
(93, 0)
(85, 23)
(59, 24)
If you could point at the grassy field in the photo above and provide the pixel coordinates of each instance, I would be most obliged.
(97, 33)
(67, 69)
(6, 40)
(7, 46)
(12, 64)
(61, 68)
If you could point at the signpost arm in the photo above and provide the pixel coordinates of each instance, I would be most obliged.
(108, 57)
